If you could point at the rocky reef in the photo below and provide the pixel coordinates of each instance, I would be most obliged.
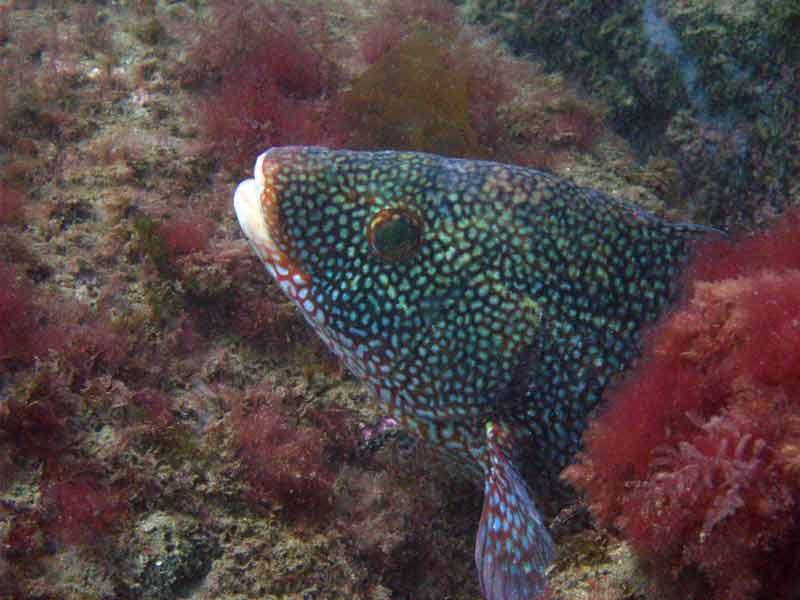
(709, 87)
(169, 427)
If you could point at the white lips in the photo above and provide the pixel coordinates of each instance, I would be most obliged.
(249, 212)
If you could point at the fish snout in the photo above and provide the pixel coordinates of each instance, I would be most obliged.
(256, 205)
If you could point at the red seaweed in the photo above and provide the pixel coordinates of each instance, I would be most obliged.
(695, 458)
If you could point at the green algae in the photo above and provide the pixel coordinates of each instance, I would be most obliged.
(415, 97)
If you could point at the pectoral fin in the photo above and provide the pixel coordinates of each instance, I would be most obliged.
(513, 546)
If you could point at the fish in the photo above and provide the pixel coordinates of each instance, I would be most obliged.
(485, 306)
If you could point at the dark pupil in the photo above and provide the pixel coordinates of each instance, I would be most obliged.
(396, 237)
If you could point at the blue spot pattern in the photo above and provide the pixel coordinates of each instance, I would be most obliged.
(485, 306)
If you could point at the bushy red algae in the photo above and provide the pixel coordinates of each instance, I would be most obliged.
(263, 82)
(12, 203)
(772, 249)
(288, 464)
(185, 233)
(16, 319)
(397, 19)
(80, 506)
(264, 76)
(695, 458)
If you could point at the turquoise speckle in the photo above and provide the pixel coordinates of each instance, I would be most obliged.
(479, 293)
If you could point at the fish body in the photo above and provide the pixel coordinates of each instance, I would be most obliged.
(485, 306)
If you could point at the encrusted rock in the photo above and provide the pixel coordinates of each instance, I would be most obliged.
(167, 554)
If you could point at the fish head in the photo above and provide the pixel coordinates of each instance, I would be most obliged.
(372, 248)
(348, 237)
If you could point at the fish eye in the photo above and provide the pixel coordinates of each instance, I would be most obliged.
(395, 234)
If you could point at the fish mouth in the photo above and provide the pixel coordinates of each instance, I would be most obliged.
(256, 205)
(253, 200)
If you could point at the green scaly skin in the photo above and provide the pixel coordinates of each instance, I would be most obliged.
(485, 306)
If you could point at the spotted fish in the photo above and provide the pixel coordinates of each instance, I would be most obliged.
(485, 306)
